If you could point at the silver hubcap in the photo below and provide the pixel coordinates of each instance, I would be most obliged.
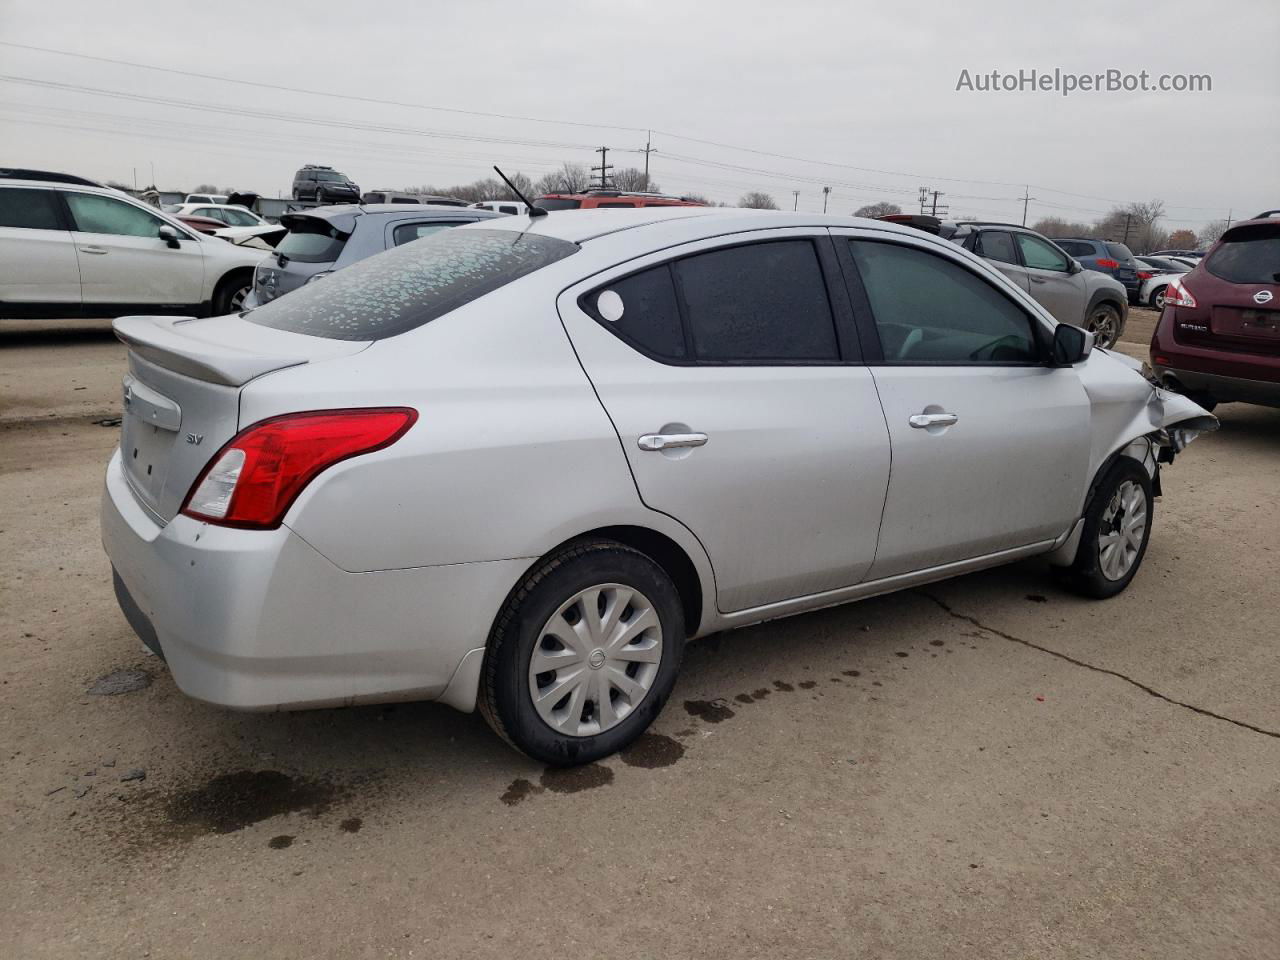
(596, 660)
(237, 299)
(1123, 524)
(1103, 327)
(1160, 300)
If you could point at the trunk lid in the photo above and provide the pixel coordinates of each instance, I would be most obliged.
(182, 394)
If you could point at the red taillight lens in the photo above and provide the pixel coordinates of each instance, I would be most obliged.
(1109, 264)
(1145, 275)
(253, 480)
(1177, 295)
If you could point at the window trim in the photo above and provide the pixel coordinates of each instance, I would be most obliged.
(848, 343)
(873, 349)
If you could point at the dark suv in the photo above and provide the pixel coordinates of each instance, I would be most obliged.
(324, 185)
(1218, 338)
(1106, 256)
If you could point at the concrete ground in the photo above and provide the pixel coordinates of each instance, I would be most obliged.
(989, 767)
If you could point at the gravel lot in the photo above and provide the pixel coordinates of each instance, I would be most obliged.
(985, 768)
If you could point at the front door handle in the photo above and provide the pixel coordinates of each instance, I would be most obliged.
(922, 421)
(670, 441)
(91, 249)
(1038, 280)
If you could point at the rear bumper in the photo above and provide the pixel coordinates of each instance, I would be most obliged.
(1229, 376)
(1223, 389)
(259, 620)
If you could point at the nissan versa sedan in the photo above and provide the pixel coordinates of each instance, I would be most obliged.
(517, 464)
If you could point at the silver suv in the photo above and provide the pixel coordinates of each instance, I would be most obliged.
(1055, 280)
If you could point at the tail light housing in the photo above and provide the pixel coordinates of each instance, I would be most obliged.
(1145, 274)
(1177, 295)
(254, 479)
(1108, 263)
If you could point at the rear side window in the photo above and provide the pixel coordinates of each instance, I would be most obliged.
(29, 209)
(1248, 255)
(505, 209)
(997, 245)
(1076, 248)
(558, 203)
(1119, 251)
(409, 286)
(629, 206)
(650, 313)
(312, 240)
(928, 309)
(760, 302)
(408, 232)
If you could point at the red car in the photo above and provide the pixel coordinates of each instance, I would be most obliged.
(1218, 339)
(202, 224)
(596, 199)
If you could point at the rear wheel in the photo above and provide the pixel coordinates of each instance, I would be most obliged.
(1117, 527)
(1104, 324)
(1157, 298)
(584, 654)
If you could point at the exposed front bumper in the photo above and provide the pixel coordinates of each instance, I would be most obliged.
(259, 620)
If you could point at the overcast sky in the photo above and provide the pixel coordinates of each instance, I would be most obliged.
(858, 96)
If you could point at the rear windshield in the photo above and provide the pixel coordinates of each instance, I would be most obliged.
(1119, 251)
(411, 285)
(1248, 255)
(311, 240)
(557, 203)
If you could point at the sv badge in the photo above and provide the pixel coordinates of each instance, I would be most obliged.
(195, 437)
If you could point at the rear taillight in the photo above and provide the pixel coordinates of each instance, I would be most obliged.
(1145, 275)
(253, 480)
(1109, 264)
(1177, 295)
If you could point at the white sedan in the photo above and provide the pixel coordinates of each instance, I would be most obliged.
(517, 464)
(241, 221)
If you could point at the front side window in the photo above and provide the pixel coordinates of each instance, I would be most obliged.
(97, 214)
(1040, 255)
(239, 218)
(759, 302)
(1248, 255)
(928, 309)
(408, 232)
(212, 212)
(29, 209)
(411, 285)
(997, 245)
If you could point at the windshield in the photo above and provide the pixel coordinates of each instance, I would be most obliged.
(1248, 255)
(408, 286)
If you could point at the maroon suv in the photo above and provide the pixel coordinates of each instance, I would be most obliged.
(1218, 338)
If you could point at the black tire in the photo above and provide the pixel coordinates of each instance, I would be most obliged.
(1086, 575)
(231, 291)
(1156, 300)
(1106, 323)
(505, 699)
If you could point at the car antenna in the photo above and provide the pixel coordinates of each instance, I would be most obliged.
(533, 211)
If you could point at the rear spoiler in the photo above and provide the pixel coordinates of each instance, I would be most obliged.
(162, 341)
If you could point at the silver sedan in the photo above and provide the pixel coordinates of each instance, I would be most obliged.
(516, 465)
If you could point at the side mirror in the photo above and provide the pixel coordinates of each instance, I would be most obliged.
(1075, 267)
(1070, 345)
(168, 235)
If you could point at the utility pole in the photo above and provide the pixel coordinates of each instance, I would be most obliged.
(604, 167)
(796, 205)
(933, 212)
(1228, 220)
(924, 198)
(135, 178)
(648, 149)
(1026, 198)
(1127, 217)
(825, 192)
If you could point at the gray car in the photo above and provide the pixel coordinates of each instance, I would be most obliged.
(326, 239)
(1072, 293)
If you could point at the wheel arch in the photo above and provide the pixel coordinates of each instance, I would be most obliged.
(234, 275)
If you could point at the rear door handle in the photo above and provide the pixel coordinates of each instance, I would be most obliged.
(1038, 280)
(90, 249)
(922, 421)
(670, 441)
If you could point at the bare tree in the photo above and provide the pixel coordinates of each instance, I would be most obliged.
(635, 180)
(1057, 227)
(756, 200)
(1183, 239)
(570, 178)
(697, 198)
(881, 209)
(204, 188)
(1211, 233)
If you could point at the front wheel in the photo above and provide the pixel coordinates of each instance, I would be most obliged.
(584, 654)
(1117, 527)
(1104, 324)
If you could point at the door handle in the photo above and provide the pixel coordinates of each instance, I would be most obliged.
(922, 421)
(670, 441)
(1038, 280)
(89, 249)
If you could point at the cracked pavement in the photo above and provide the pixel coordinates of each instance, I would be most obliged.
(987, 767)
